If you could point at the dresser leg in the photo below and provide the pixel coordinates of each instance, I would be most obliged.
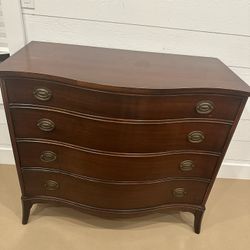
(197, 220)
(26, 205)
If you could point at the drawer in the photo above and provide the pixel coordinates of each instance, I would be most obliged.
(118, 105)
(116, 167)
(114, 196)
(119, 137)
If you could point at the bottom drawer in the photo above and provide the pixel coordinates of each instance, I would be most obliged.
(112, 195)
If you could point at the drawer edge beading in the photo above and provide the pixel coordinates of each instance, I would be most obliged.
(113, 182)
(46, 199)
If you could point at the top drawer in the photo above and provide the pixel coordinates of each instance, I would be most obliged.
(119, 105)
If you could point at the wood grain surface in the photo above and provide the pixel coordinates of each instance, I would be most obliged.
(120, 137)
(110, 195)
(120, 167)
(117, 126)
(112, 68)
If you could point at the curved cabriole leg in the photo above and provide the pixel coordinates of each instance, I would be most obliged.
(26, 205)
(198, 214)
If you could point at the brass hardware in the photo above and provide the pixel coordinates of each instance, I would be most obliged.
(196, 137)
(179, 192)
(186, 165)
(51, 185)
(42, 94)
(47, 156)
(204, 107)
(46, 125)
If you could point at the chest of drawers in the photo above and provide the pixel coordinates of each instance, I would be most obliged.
(118, 133)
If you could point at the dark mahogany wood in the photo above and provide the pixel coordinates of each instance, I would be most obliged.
(121, 167)
(198, 215)
(123, 70)
(101, 103)
(224, 150)
(111, 195)
(120, 136)
(26, 206)
(121, 121)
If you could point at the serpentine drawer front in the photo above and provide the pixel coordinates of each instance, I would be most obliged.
(118, 133)
(120, 136)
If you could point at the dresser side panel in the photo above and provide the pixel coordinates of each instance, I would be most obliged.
(4, 87)
(224, 150)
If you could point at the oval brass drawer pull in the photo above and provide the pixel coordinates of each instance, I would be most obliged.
(196, 137)
(179, 192)
(186, 165)
(48, 156)
(42, 94)
(205, 107)
(51, 185)
(46, 125)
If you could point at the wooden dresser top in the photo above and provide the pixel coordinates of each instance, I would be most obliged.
(114, 69)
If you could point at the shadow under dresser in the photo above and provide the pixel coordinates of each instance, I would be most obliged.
(118, 133)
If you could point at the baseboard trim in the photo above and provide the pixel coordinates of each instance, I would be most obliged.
(235, 170)
(6, 155)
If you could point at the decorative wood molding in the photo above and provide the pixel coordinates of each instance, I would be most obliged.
(111, 182)
(183, 207)
(117, 120)
(95, 151)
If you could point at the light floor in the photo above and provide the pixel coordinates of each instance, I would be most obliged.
(226, 224)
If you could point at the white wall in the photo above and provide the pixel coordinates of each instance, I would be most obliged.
(217, 28)
(14, 30)
(13, 22)
(3, 39)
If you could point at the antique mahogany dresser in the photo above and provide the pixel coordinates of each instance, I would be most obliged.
(116, 132)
